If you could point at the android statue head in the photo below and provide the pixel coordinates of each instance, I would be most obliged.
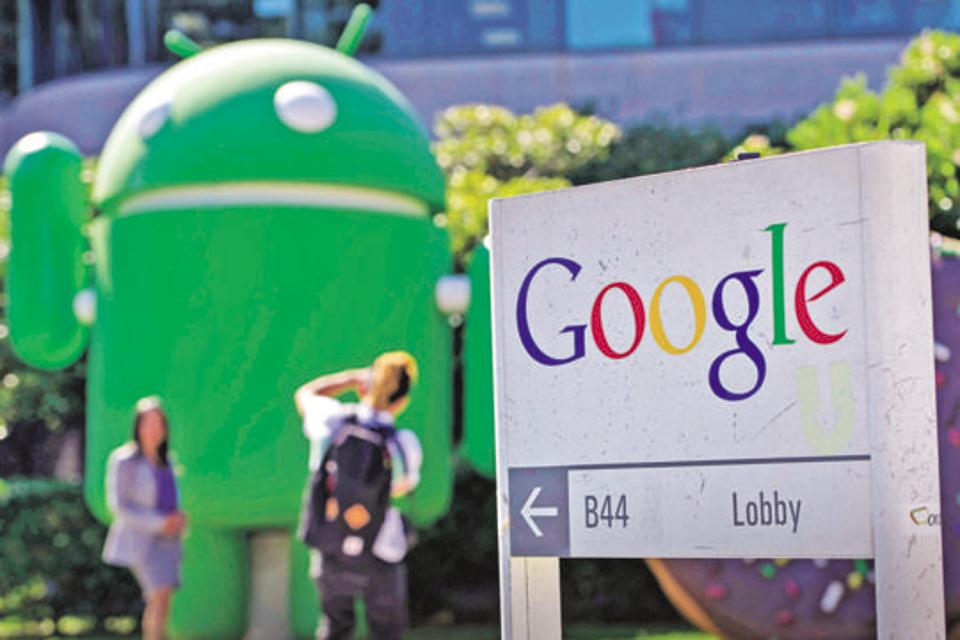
(262, 216)
(263, 120)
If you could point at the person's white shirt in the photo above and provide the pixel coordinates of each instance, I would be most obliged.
(324, 416)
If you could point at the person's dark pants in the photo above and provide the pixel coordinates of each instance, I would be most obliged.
(383, 588)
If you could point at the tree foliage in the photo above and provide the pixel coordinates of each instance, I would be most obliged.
(921, 101)
(50, 556)
(654, 147)
(489, 152)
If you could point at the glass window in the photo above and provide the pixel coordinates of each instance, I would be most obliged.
(488, 26)
(609, 24)
(943, 14)
(544, 25)
(735, 21)
(70, 37)
(404, 27)
(869, 17)
(78, 35)
(323, 21)
(673, 22)
(224, 20)
(8, 50)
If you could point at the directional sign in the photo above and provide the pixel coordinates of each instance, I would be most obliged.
(531, 512)
(539, 504)
(733, 361)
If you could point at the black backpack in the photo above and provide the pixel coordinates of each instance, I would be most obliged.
(349, 494)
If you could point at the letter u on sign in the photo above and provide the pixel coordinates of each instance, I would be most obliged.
(823, 438)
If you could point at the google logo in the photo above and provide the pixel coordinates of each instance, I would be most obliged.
(642, 317)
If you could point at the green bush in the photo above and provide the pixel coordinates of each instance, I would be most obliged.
(921, 101)
(453, 570)
(607, 591)
(654, 148)
(488, 152)
(552, 141)
(50, 563)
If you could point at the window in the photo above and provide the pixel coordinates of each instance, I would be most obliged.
(742, 21)
(869, 17)
(610, 24)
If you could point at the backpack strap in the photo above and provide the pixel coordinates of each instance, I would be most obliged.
(353, 427)
(361, 432)
(389, 434)
(374, 433)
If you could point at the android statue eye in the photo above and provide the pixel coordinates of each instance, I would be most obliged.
(155, 113)
(305, 106)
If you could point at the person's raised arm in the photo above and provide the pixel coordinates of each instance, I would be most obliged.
(330, 385)
(406, 473)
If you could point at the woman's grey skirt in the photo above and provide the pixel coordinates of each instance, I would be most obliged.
(160, 566)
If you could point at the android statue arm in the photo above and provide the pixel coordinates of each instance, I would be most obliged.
(45, 268)
(477, 446)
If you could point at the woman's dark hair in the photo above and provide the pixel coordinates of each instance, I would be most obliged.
(145, 406)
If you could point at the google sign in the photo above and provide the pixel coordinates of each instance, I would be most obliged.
(745, 347)
(727, 362)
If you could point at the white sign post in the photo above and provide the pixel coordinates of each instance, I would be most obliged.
(733, 361)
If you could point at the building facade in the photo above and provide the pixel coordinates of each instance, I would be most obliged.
(730, 62)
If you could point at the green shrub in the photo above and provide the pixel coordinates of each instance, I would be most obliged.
(621, 590)
(488, 152)
(50, 563)
(453, 570)
(921, 101)
(654, 148)
(552, 141)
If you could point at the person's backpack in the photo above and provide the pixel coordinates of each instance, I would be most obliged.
(350, 493)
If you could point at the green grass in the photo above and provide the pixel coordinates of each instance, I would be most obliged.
(601, 632)
(68, 628)
(79, 627)
(578, 632)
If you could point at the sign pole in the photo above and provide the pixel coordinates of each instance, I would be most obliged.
(903, 438)
(535, 599)
(530, 606)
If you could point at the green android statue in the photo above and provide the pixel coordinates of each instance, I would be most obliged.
(261, 213)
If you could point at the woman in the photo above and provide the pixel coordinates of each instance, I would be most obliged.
(142, 494)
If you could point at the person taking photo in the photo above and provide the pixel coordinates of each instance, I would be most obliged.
(359, 461)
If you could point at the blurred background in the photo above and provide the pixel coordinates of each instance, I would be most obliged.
(729, 62)
(520, 96)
